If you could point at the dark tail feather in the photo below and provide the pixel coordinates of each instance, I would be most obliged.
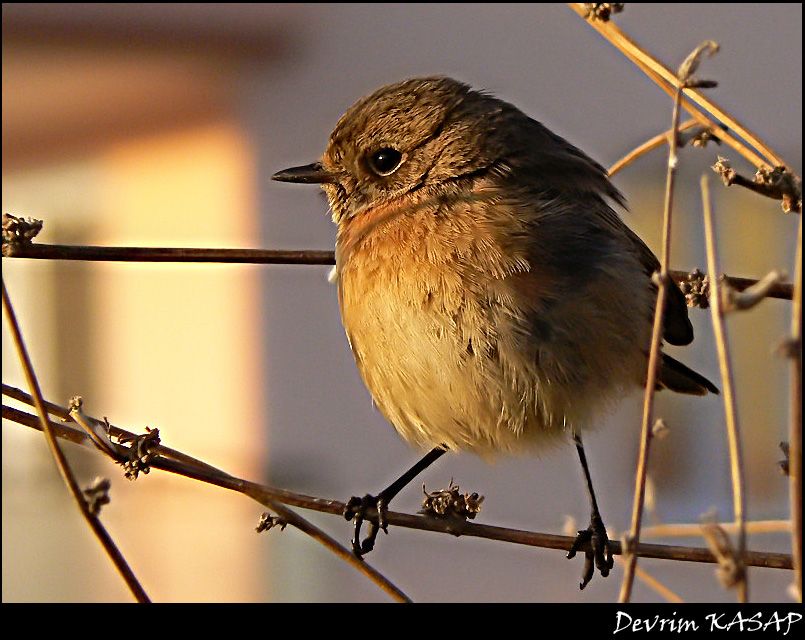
(677, 377)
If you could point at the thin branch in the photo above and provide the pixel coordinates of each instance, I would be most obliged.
(668, 81)
(649, 145)
(751, 296)
(653, 583)
(780, 290)
(783, 291)
(114, 432)
(271, 499)
(61, 462)
(795, 421)
(262, 493)
(730, 404)
(691, 530)
(292, 518)
(653, 360)
(778, 183)
(529, 538)
(167, 254)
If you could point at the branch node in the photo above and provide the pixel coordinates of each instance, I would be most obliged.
(778, 183)
(267, 522)
(97, 495)
(602, 11)
(691, 64)
(628, 546)
(731, 570)
(99, 435)
(18, 232)
(696, 288)
(661, 279)
(784, 464)
(697, 137)
(751, 296)
(725, 171)
(142, 451)
(782, 185)
(450, 504)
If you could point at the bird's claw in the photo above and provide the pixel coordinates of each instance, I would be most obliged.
(356, 510)
(599, 556)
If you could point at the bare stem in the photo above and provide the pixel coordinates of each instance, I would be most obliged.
(795, 423)
(653, 360)
(667, 80)
(783, 291)
(694, 530)
(730, 404)
(656, 585)
(270, 499)
(168, 254)
(261, 493)
(61, 462)
(649, 145)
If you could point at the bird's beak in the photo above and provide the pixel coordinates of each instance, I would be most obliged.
(309, 174)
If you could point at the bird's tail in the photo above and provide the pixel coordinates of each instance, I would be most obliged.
(677, 377)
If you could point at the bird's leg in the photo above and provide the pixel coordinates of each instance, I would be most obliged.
(356, 508)
(596, 534)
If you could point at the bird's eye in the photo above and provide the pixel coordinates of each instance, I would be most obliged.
(385, 161)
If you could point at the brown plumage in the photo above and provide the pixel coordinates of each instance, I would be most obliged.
(492, 297)
(490, 293)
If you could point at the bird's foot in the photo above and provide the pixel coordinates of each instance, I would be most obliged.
(356, 510)
(599, 556)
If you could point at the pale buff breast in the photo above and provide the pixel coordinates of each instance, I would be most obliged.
(445, 339)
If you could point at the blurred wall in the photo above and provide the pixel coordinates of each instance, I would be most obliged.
(161, 124)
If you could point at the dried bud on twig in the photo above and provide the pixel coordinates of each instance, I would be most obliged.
(725, 171)
(98, 495)
(267, 522)
(691, 64)
(782, 185)
(18, 232)
(696, 288)
(602, 11)
(778, 183)
(449, 503)
(698, 137)
(141, 452)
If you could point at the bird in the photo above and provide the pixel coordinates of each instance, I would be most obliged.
(493, 299)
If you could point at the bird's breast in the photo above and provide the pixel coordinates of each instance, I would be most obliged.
(431, 309)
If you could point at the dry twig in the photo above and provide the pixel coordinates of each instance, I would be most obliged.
(655, 142)
(778, 183)
(795, 419)
(163, 458)
(167, 460)
(782, 291)
(662, 280)
(730, 404)
(690, 530)
(61, 462)
(668, 81)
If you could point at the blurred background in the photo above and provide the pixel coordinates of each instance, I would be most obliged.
(160, 125)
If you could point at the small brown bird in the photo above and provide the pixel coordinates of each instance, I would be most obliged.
(493, 299)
